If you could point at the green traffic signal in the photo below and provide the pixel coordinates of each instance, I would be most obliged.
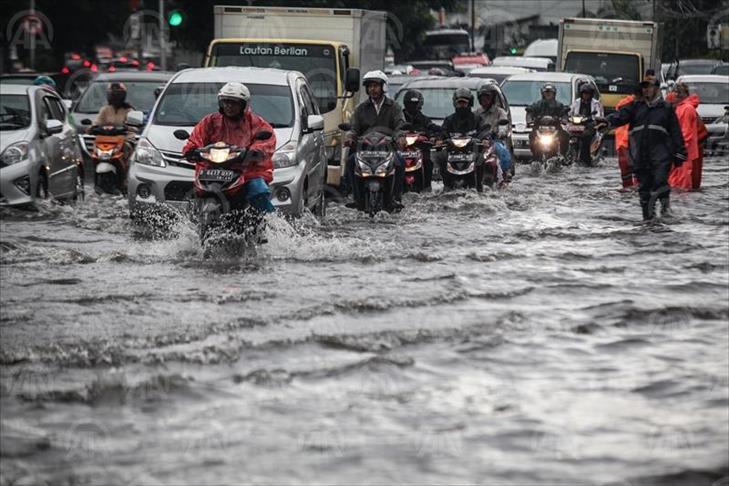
(175, 18)
(513, 50)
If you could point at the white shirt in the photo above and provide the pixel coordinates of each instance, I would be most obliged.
(378, 105)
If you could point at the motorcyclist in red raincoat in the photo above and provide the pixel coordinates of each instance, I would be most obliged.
(236, 124)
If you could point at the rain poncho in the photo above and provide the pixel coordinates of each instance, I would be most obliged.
(688, 119)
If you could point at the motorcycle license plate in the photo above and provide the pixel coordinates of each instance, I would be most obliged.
(576, 128)
(460, 157)
(409, 155)
(217, 175)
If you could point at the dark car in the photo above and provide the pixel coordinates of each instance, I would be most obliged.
(142, 91)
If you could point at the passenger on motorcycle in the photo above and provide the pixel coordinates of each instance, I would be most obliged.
(495, 117)
(236, 124)
(588, 107)
(419, 122)
(547, 106)
(381, 113)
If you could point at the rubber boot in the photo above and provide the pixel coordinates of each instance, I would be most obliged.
(666, 208)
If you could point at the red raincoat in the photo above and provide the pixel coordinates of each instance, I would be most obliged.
(216, 127)
(621, 148)
(688, 119)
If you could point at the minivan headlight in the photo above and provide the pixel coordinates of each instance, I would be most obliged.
(15, 153)
(285, 156)
(147, 154)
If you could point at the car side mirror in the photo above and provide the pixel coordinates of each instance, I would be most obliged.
(85, 121)
(53, 127)
(181, 134)
(345, 127)
(264, 135)
(351, 80)
(315, 122)
(135, 118)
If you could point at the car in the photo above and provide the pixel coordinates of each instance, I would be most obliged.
(721, 68)
(438, 96)
(142, 90)
(524, 89)
(692, 66)
(536, 63)
(431, 67)
(713, 92)
(159, 174)
(396, 69)
(543, 48)
(498, 73)
(396, 81)
(39, 152)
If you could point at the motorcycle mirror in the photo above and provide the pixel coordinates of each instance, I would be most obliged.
(181, 134)
(264, 135)
(85, 121)
(345, 127)
(503, 122)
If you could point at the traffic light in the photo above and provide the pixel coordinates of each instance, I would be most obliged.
(176, 18)
(512, 50)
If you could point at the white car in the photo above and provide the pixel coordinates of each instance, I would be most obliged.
(39, 152)
(158, 172)
(713, 93)
(521, 90)
(498, 73)
(536, 63)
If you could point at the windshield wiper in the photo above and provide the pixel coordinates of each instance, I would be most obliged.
(280, 125)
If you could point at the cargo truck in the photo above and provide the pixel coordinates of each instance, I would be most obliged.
(615, 53)
(330, 46)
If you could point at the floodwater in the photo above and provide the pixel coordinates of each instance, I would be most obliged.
(536, 335)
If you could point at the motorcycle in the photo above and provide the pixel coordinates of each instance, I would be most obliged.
(219, 199)
(470, 161)
(374, 172)
(110, 158)
(417, 145)
(576, 126)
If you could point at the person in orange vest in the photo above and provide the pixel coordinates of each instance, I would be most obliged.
(621, 148)
(685, 106)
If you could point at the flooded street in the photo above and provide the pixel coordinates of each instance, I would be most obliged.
(537, 335)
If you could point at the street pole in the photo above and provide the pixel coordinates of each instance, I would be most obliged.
(32, 35)
(473, 25)
(583, 9)
(162, 47)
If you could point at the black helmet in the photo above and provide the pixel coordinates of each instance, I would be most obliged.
(116, 94)
(413, 99)
(488, 88)
(463, 94)
(548, 87)
(587, 88)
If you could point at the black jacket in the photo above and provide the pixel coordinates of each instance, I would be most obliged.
(455, 123)
(544, 107)
(654, 132)
(420, 123)
(366, 118)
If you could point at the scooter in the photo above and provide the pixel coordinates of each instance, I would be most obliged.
(374, 172)
(220, 202)
(417, 145)
(464, 163)
(576, 127)
(109, 158)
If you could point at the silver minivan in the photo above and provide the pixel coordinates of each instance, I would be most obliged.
(158, 173)
(39, 152)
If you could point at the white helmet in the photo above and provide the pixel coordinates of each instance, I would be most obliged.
(376, 76)
(235, 91)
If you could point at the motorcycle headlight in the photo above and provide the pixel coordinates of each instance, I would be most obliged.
(218, 155)
(460, 142)
(546, 139)
(364, 168)
(576, 120)
(15, 153)
(104, 153)
(147, 154)
(411, 139)
(285, 156)
(384, 167)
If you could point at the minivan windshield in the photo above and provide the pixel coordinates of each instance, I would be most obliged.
(14, 112)
(185, 104)
(524, 93)
(140, 94)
